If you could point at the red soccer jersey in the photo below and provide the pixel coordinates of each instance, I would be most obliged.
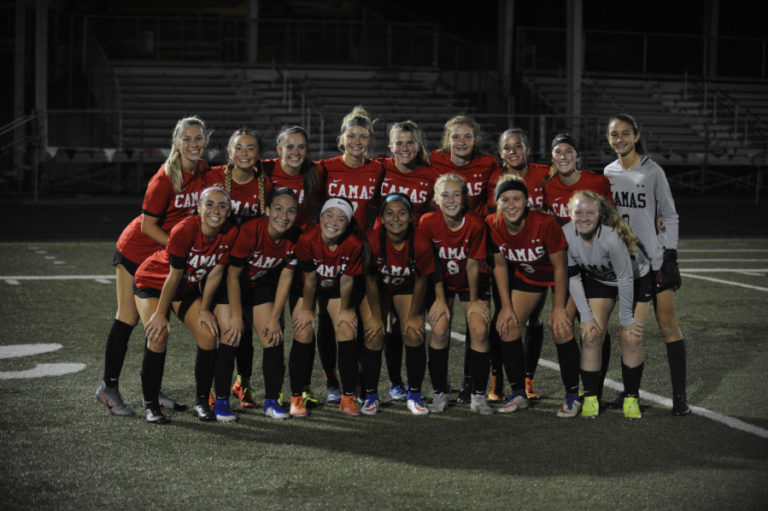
(246, 198)
(557, 194)
(397, 273)
(186, 240)
(280, 179)
(528, 251)
(314, 254)
(533, 181)
(265, 257)
(161, 201)
(360, 186)
(475, 174)
(418, 185)
(453, 248)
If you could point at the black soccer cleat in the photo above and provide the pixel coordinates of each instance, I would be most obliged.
(680, 405)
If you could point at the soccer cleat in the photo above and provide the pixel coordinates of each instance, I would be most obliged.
(371, 405)
(154, 415)
(347, 406)
(397, 392)
(680, 405)
(112, 399)
(480, 405)
(334, 395)
(415, 405)
(591, 407)
(514, 402)
(631, 408)
(529, 390)
(274, 410)
(298, 408)
(222, 411)
(203, 412)
(170, 404)
(465, 392)
(439, 402)
(243, 393)
(310, 399)
(571, 406)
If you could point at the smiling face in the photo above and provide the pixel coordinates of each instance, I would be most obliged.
(622, 137)
(564, 158)
(462, 142)
(513, 152)
(511, 205)
(191, 144)
(214, 209)
(396, 218)
(292, 152)
(585, 215)
(357, 140)
(450, 198)
(244, 151)
(404, 148)
(282, 213)
(333, 223)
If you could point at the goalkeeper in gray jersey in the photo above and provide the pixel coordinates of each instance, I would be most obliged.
(642, 196)
(605, 262)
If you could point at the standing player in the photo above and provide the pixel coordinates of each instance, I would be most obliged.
(331, 256)
(266, 246)
(354, 176)
(249, 189)
(460, 154)
(396, 282)
(514, 150)
(171, 278)
(172, 194)
(459, 240)
(407, 172)
(604, 261)
(641, 193)
(529, 257)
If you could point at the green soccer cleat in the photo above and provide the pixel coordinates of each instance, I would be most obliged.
(591, 407)
(632, 408)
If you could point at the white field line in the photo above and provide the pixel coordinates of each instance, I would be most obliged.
(18, 278)
(721, 281)
(730, 260)
(708, 250)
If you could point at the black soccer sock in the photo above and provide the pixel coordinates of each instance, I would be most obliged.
(152, 368)
(348, 366)
(606, 354)
(326, 348)
(467, 363)
(415, 366)
(117, 347)
(298, 360)
(244, 356)
(590, 379)
(534, 340)
(371, 362)
(677, 366)
(205, 366)
(438, 369)
(273, 368)
(310, 363)
(393, 351)
(513, 357)
(497, 367)
(632, 377)
(568, 356)
(479, 362)
(224, 367)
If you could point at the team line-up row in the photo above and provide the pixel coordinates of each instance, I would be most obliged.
(366, 251)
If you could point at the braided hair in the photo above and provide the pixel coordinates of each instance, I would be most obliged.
(258, 170)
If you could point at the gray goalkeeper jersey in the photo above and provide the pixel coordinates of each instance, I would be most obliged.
(641, 195)
(606, 260)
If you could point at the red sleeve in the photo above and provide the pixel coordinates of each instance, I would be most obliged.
(478, 239)
(354, 250)
(158, 195)
(303, 251)
(245, 241)
(554, 238)
(425, 261)
(182, 237)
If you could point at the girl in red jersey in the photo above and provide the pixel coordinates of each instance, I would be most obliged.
(331, 256)
(529, 254)
(396, 280)
(514, 150)
(172, 194)
(407, 172)
(295, 170)
(198, 246)
(458, 238)
(266, 246)
(249, 189)
(356, 177)
(461, 155)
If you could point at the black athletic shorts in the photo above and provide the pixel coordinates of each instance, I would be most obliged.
(129, 265)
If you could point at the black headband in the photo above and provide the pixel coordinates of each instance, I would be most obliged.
(511, 184)
(565, 139)
(397, 196)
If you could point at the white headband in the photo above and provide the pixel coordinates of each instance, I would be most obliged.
(341, 204)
